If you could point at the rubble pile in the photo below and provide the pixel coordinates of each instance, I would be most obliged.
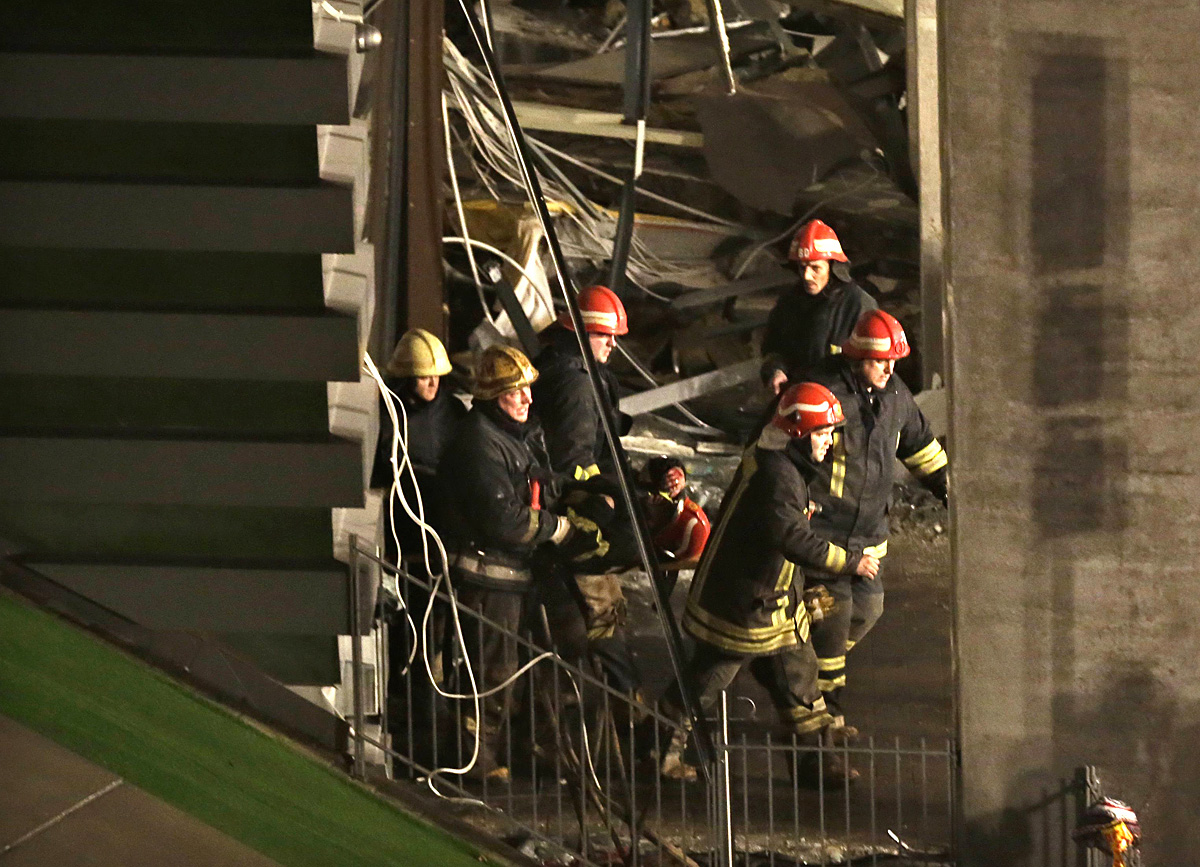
(815, 127)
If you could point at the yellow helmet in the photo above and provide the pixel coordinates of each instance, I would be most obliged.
(502, 369)
(419, 353)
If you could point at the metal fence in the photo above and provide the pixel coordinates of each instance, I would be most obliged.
(583, 782)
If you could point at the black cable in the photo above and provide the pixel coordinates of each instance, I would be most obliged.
(704, 741)
(637, 98)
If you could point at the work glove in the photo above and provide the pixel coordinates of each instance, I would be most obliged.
(583, 541)
(600, 485)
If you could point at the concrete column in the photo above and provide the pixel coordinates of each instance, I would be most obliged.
(924, 126)
(1070, 164)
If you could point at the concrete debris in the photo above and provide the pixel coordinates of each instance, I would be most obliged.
(652, 446)
(685, 389)
(768, 142)
(685, 53)
(800, 139)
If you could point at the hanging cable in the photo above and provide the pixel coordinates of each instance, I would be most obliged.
(476, 103)
(646, 551)
(462, 217)
(399, 419)
(791, 230)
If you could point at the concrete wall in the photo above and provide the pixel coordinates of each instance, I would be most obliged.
(1072, 182)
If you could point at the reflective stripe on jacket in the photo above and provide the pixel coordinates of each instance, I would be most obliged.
(853, 486)
(484, 486)
(563, 400)
(745, 595)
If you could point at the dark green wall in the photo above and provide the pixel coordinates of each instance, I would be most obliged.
(181, 152)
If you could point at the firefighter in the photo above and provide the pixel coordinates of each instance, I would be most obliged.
(427, 414)
(592, 620)
(499, 504)
(854, 487)
(810, 321)
(430, 413)
(745, 607)
(563, 394)
(679, 526)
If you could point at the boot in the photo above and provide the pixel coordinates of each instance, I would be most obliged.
(827, 770)
(827, 767)
(487, 765)
(673, 766)
(840, 734)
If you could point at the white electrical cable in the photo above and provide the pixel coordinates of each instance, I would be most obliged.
(486, 20)
(337, 14)
(462, 217)
(400, 443)
(471, 242)
(489, 137)
(688, 209)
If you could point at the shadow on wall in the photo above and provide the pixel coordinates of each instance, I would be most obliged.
(1079, 243)
(1144, 741)
(1078, 157)
(1126, 720)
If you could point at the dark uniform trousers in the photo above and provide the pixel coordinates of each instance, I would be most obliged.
(586, 616)
(854, 605)
(789, 677)
(494, 657)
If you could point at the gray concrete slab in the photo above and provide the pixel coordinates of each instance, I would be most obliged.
(120, 826)
(668, 58)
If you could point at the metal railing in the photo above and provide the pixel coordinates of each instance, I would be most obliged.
(583, 779)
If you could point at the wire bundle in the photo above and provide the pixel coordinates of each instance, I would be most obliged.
(489, 149)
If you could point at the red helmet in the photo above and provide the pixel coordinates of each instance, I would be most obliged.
(806, 406)
(815, 240)
(877, 335)
(602, 311)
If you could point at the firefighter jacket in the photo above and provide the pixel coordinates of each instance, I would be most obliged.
(744, 597)
(853, 486)
(431, 426)
(803, 329)
(486, 486)
(563, 400)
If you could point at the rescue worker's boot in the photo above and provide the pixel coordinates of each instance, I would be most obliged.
(825, 766)
(673, 765)
(487, 766)
(664, 744)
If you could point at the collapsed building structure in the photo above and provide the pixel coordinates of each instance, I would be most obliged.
(192, 269)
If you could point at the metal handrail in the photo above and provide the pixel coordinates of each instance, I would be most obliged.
(587, 677)
(592, 762)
